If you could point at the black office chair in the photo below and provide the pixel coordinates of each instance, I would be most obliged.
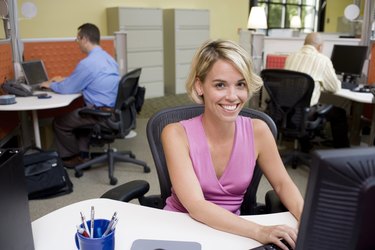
(138, 188)
(289, 106)
(119, 124)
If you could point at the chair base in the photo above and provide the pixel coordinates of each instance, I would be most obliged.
(296, 158)
(111, 157)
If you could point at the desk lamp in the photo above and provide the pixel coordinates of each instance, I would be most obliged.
(257, 20)
(295, 24)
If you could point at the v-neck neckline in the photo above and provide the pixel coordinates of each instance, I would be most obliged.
(227, 166)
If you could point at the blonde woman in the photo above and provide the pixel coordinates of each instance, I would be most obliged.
(211, 157)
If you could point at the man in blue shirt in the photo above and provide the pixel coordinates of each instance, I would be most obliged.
(97, 78)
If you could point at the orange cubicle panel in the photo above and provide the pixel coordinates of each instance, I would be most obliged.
(60, 57)
(9, 120)
(371, 67)
(6, 65)
(275, 61)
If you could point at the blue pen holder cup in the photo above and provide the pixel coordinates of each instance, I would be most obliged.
(98, 242)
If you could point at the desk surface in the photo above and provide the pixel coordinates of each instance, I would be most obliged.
(356, 96)
(56, 230)
(34, 103)
(359, 98)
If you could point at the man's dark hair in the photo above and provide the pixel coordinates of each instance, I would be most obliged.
(90, 31)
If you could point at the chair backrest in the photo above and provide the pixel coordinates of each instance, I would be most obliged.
(290, 95)
(125, 112)
(162, 118)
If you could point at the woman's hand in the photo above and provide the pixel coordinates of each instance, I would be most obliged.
(274, 234)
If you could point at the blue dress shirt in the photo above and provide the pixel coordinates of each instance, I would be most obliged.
(96, 76)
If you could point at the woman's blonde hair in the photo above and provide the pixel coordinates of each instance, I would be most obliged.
(210, 52)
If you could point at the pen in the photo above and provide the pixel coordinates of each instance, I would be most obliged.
(114, 216)
(92, 222)
(82, 231)
(110, 224)
(110, 227)
(85, 224)
(114, 224)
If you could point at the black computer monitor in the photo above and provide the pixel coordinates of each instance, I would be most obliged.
(15, 226)
(339, 209)
(34, 71)
(348, 60)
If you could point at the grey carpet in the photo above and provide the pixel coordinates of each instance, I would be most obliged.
(153, 105)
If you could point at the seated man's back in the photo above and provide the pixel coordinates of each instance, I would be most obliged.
(310, 60)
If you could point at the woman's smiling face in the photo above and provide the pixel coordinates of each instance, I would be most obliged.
(224, 90)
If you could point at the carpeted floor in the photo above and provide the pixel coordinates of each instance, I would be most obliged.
(153, 105)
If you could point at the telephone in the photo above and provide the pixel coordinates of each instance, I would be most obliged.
(17, 88)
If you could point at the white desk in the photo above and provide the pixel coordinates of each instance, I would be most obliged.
(356, 96)
(359, 99)
(33, 104)
(56, 230)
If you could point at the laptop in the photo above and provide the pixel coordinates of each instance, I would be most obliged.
(148, 244)
(35, 73)
(15, 226)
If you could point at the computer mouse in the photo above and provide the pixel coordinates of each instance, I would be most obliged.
(43, 96)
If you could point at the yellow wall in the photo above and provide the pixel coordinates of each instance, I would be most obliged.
(60, 18)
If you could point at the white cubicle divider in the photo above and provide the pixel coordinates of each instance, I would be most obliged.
(286, 45)
(283, 44)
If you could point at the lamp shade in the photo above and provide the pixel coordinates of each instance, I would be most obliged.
(295, 22)
(257, 18)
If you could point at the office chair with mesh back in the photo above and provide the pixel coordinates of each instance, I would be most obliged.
(289, 106)
(137, 189)
(119, 124)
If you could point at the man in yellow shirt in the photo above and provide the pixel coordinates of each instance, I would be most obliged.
(310, 60)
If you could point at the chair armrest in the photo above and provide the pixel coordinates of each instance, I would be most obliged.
(317, 114)
(322, 109)
(273, 203)
(128, 102)
(128, 191)
(95, 112)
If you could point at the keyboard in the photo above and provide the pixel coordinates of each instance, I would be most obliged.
(266, 247)
(349, 85)
(365, 89)
(271, 246)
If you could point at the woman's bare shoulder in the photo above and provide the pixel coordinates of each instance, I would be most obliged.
(260, 126)
(173, 130)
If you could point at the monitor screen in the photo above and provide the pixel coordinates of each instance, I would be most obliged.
(15, 226)
(340, 201)
(348, 59)
(34, 71)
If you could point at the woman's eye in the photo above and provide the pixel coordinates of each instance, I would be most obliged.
(241, 84)
(219, 85)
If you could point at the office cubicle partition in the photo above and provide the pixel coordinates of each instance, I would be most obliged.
(7, 129)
